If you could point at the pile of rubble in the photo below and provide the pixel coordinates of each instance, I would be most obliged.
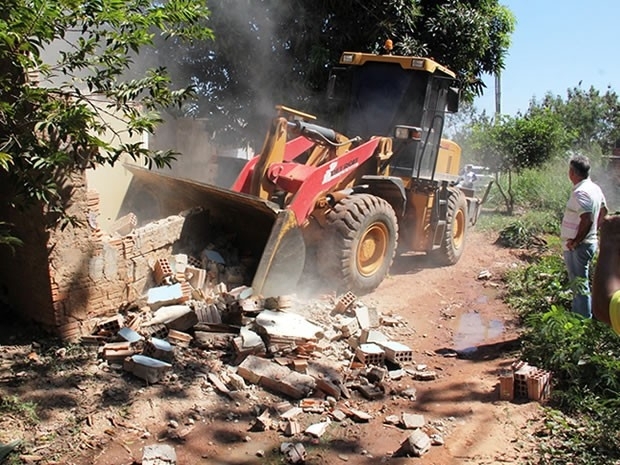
(320, 354)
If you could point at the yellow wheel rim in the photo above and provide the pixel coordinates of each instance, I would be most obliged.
(372, 249)
(458, 229)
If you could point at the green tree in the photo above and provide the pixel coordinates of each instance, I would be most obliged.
(592, 117)
(51, 123)
(270, 51)
(511, 144)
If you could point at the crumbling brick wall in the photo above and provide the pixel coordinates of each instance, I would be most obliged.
(65, 278)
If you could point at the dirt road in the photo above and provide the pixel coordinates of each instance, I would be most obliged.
(456, 325)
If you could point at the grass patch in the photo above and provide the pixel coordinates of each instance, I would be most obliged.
(16, 406)
(582, 424)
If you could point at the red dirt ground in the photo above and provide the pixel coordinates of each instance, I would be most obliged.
(89, 414)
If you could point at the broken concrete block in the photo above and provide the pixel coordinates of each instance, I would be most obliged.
(357, 415)
(318, 429)
(284, 326)
(177, 317)
(348, 327)
(159, 349)
(292, 428)
(291, 413)
(155, 330)
(370, 391)
(338, 415)
(293, 384)
(149, 369)
(417, 444)
(412, 421)
(372, 336)
(165, 295)
(195, 276)
(125, 224)
(263, 422)
(218, 341)
(180, 263)
(363, 317)
(376, 374)
(129, 335)
(159, 454)
(294, 453)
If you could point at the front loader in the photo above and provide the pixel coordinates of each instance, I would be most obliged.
(352, 193)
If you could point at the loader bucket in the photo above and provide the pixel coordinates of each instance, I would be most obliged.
(257, 227)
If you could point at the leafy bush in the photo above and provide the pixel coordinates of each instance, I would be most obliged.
(538, 287)
(584, 358)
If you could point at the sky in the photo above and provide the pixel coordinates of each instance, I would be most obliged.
(556, 45)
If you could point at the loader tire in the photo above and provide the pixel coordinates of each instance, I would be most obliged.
(359, 248)
(453, 242)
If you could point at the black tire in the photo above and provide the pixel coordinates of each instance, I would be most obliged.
(360, 243)
(453, 242)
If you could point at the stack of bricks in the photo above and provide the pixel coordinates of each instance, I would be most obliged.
(525, 382)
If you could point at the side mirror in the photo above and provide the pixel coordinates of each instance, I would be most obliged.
(453, 99)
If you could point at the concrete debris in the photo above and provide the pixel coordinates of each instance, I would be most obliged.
(484, 274)
(318, 429)
(159, 454)
(416, 444)
(149, 369)
(326, 358)
(412, 421)
(293, 453)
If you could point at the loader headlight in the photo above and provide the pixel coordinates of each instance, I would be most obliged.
(347, 58)
(417, 63)
(408, 132)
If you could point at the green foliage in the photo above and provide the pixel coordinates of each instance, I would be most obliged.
(585, 440)
(538, 286)
(23, 409)
(584, 358)
(273, 52)
(510, 145)
(521, 235)
(59, 125)
(591, 116)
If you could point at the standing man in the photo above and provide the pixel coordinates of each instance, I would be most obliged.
(584, 212)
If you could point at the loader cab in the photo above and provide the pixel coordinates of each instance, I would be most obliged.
(376, 94)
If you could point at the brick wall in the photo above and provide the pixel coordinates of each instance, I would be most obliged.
(64, 278)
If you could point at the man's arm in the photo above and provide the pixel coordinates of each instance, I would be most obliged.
(585, 223)
(606, 279)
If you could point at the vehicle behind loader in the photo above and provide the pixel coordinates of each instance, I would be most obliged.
(378, 180)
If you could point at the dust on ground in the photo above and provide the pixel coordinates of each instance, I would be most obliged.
(67, 406)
